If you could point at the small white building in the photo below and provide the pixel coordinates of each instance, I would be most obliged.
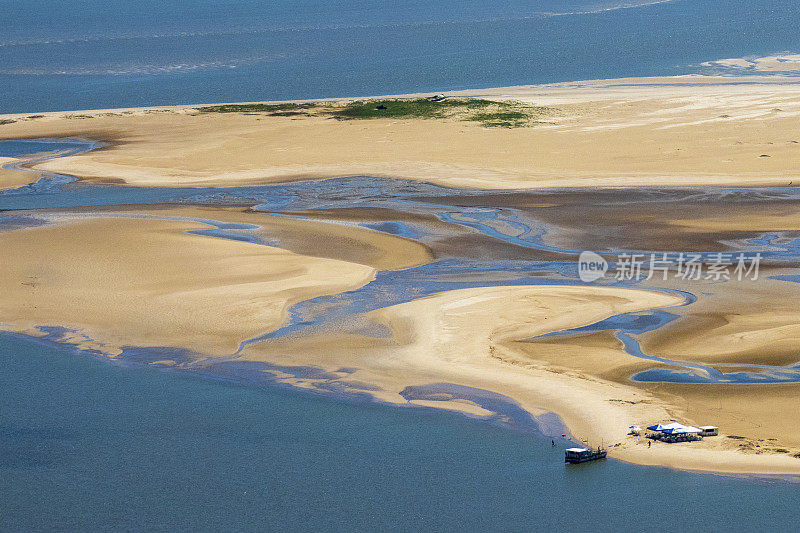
(709, 431)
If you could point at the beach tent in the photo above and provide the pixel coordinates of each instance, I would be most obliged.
(679, 429)
(674, 429)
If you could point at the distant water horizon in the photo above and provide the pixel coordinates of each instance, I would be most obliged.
(88, 54)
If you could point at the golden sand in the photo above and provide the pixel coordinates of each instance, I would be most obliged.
(11, 179)
(607, 133)
(314, 238)
(141, 282)
(170, 288)
(468, 337)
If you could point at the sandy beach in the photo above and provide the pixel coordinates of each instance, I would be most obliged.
(210, 294)
(633, 132)
(470, 338)
(95, 277)
(11, 179)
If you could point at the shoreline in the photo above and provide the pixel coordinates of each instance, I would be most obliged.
(634, 132)
(545, 424)
(653, 82)
(242, 131)
(572, 411)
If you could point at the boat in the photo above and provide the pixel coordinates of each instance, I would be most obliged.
(582, 455)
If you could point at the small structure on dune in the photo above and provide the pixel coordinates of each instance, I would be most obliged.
(709, 431)
(675, 432)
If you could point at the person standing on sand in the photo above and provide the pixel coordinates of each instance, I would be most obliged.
(649, 443)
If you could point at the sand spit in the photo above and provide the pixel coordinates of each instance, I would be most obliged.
(176, 289)
(308, 237)
(467, 337)
(10, 178)
(140, 282)
(636, 132)
(781, 63)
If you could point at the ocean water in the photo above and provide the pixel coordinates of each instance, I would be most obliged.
(91, 444)
(88, 445)
(84, 54)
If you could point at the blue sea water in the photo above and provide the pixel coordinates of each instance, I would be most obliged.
(22, 148)
(92, 445)
(85, 54)
(86, 445)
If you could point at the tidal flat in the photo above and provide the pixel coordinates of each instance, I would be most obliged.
(377, 284)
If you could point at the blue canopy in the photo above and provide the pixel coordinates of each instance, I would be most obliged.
(674, 429)
(679, 429)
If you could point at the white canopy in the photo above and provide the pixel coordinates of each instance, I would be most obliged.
(674, 429)
(679, 429)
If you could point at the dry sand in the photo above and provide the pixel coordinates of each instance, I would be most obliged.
(665, 131)
(468, 337)
(141, 282)
(205, 294)
(309, 237)
(11, 179)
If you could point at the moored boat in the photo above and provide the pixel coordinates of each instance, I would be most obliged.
(582, 455)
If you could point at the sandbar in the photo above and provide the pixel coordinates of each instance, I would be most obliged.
(141, 282)
(678, 131)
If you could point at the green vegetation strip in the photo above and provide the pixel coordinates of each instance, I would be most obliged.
(488, 113)
(254, 108)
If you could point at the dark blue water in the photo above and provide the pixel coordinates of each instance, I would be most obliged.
(88, 445)
(84, 54)
(20, 148)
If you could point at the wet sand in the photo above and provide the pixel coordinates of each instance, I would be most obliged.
(486, 337)
(377, 292)
(308, 237)
(468, 338)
